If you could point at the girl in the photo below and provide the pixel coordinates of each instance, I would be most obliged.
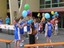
(17, 33)
(48, 31)
(32, 34)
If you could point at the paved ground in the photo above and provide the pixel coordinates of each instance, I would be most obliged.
(42, 39)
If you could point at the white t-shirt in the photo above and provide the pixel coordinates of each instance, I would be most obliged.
(56, 26)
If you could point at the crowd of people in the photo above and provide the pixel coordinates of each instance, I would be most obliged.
(47, 27)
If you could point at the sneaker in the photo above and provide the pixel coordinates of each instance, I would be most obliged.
(21, 44)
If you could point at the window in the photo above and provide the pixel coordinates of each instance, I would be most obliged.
(61, 0)
(18, 3)
(7, 4)
(51, 3)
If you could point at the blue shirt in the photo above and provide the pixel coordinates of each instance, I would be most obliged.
(16, 32)
(28, 27)
(49, 29)
(7, 20)
(22, 30)
(1, 21)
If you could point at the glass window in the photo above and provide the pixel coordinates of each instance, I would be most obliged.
(61, 0)
(55, 1)
(47, 6)
(61, 4)
(41, 2)
(47, 2)
(18, 3)
(54, 5)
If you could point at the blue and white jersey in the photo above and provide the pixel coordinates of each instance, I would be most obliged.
(22, 30)
(28, 27)
(49, 26)
(16, 32)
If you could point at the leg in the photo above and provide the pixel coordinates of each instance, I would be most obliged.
(9, 45)
(6, 45)
(18, 44)
(15, 44)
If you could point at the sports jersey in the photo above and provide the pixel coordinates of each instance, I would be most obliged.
(16, 32)
(49, 26)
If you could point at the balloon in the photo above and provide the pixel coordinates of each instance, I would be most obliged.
(30, 21)
(47, 15)
(26, 6)
(43, 19)
(38, 14)
(53, 17)
(52, 12)
(43, 14)
(24, 13)
(28, 11)
(56, 13)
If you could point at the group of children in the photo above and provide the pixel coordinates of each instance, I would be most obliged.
(34, 28)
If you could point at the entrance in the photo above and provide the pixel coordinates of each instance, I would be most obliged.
(61, 20)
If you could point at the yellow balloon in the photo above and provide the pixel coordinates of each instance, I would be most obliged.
(38, 14)
(52, 12)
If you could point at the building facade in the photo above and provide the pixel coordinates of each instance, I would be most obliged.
(54, 5)
(11, 8)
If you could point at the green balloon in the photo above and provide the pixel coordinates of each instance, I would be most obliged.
(26, 7)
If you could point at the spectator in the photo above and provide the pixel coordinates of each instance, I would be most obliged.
(7, 20)
(1, 21)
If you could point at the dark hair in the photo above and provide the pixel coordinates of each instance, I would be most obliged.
(17, 20)
(48, 20)
(32, 26)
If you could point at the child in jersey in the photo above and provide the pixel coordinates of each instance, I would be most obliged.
(17, 33)
(48, 31)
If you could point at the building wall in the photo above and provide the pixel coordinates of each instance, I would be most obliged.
(3, 9)
(13, 4)
(34, 5)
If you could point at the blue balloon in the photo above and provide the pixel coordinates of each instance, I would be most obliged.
(24, 13)
(53, 17)
(30, 21)
(56, 13)
(47, 15)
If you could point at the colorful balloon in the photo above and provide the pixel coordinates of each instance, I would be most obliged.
(26, 6)
(43, 19)
(30, 21)
(38, 15)
(52, 12)
(53, 17)
(47, 15)
(28, 11)
(24, 13)
(56, 13)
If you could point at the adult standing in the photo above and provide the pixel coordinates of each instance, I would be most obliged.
(1, 21)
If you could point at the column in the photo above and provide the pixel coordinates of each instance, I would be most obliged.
(13, 4)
